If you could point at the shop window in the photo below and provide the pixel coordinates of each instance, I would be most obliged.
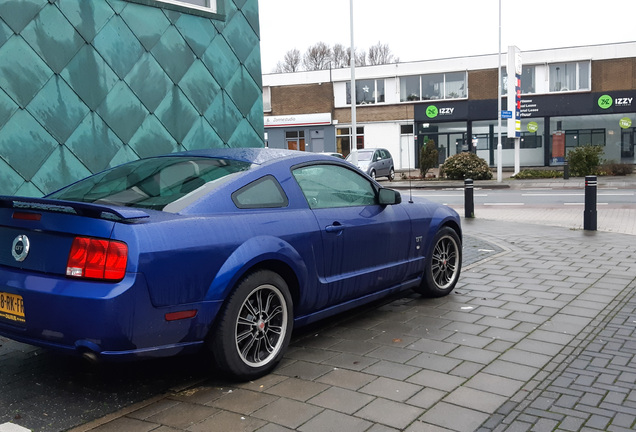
(455, 85)
(581, 137)
(295, 140)
(530, 140)
(569, 76)
(450, 85)
(367, 92)
(343, 140)
(432, 86)
(528, 81)
(267, 99)
(406, 129)
(410, 88)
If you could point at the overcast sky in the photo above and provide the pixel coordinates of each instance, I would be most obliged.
(431, 29)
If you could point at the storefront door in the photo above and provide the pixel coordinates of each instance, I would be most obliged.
(627, 143)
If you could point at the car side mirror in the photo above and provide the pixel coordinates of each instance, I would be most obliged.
(389, 197)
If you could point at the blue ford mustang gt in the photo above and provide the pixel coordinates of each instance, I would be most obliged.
(222, 250)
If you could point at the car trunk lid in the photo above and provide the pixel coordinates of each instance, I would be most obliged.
(36, 234)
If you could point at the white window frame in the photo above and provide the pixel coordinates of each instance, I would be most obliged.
(267, 99)
(375, 91)
(211, 8)
(577, 65)
(211, 5)
(443, 90)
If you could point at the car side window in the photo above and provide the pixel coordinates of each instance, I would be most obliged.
(265, 192)
(329, 186)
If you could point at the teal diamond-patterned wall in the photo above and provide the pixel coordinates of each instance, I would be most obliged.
(90, 84)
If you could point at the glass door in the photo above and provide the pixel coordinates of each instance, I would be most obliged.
(627, 143)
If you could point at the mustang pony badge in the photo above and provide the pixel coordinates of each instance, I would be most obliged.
(20, 248)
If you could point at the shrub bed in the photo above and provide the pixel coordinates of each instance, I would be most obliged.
(537, 174)
(466, 165)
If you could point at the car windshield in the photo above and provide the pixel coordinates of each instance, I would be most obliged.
(152, 183)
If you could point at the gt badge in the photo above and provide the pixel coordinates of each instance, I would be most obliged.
(20, 248)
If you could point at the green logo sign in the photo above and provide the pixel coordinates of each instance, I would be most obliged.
(625, 122)
(432, 111)
(533, 127)
(605, 101)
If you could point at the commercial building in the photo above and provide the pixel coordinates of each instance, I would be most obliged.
(569, 97)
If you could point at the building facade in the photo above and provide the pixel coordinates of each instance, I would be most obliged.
(569, 97)
(86, 85)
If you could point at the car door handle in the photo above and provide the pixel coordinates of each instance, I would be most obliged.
(336, 227)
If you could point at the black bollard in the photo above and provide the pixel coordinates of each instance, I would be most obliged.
(589, 214)
(566, 171)
(469, 201)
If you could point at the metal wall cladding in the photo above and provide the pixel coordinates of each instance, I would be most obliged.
(86, 85)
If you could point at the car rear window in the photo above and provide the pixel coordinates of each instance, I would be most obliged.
(153, 183)
(365, 155)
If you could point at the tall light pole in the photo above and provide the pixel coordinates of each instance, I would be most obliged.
(499, 147)
(354, 137)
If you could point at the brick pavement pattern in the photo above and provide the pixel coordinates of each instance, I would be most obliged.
(539, 335)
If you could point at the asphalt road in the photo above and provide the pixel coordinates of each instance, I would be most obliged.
(45, 391)
(544, 197)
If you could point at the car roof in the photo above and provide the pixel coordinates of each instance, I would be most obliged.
(251, 155)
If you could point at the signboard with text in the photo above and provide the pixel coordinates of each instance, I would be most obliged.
(514, 91)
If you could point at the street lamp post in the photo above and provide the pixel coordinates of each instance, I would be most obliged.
(499, 147)
(354, 137)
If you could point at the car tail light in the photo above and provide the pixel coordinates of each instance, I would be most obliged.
(97, 259)
(27, 216)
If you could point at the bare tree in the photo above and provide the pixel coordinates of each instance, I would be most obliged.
(381, 54)
(339, 56)
(321, 56)
(361, 58)
(291, 62)
(317, 57)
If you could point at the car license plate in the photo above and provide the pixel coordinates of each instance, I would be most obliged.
(12, 307)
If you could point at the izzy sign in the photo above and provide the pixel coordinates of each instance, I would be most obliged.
(433, 111)
(607, 101)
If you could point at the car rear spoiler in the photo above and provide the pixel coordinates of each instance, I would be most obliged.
(96, 211)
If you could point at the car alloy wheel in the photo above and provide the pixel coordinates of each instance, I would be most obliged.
(443, 264)
(260, 326)
(254, 326)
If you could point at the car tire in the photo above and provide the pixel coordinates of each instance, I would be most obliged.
(254, 326)
(443, 264)
(372, 174)
(391, 174)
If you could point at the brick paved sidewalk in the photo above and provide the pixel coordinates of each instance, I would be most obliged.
(538, 336)
(592, 388)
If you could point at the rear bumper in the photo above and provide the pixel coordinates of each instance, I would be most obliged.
(104, 321)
